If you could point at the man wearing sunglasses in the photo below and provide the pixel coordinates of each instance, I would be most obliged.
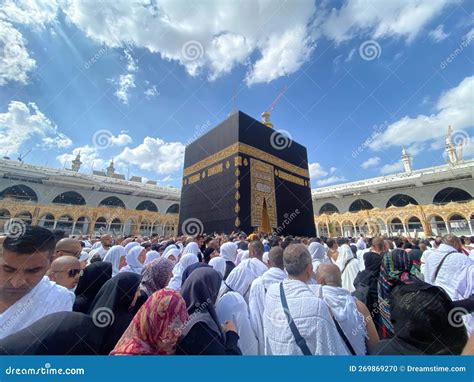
(65, 271)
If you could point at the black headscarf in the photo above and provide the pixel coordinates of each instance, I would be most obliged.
(200, 292)
(61, 333)
(372, 262)
(423, 321)
(190, 269)
(111, 307)
(93, 278)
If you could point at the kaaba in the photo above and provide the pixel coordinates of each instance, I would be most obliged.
(243, 175)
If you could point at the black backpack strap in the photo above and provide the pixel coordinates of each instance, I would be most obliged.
(300, 341)
(347, 263)
(441, 264)
(343, 335)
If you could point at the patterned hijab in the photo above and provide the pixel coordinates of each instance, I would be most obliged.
(397, 268)
(155, 275)
(156, 327)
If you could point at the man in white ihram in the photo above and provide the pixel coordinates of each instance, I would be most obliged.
(309, 315)
(26, 294)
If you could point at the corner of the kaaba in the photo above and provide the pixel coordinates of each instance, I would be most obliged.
(244, 176)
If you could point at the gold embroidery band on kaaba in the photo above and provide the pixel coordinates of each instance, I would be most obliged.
(242, 148)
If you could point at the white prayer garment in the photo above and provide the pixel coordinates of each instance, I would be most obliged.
(456, 276)
(258, 291)
(310, 315)
(45, 298)
(187, 260)
(344, 309)
(113, 256)
(348, 265)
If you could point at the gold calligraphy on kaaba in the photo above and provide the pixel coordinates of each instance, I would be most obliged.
(262, 193)
(291, 178)
(215, 169)
(242, 148)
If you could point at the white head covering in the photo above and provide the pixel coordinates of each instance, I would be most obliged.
(265, 257)
(129, 246)
(169, 248)
(344, 255)
(241, 277)
(318, 254)
(350, 271)
(187, 260)
(113, 256)
(218, 263)
(172, 252)
(150, 256)
(191, 248)
(133, 264)
(229, 251)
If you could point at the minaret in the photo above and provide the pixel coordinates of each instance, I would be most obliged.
(266, 119)
(76, 163)
(111, 169)
(451, 155)
(406, 159)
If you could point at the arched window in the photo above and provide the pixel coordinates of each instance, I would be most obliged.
(414, 223)
(19, 192)
(112, 201)
(147, 205)
(451, 194)
(173, 209)
(70, 197)
(401, 200)
(359, 205)
(328, 208)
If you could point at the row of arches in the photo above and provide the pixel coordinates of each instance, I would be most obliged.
(82, 225)
(446, 195)
(455, 223)
(22, 192)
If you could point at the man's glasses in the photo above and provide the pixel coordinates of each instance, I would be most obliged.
(73, 272)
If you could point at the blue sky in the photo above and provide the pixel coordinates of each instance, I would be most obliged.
(137, 81)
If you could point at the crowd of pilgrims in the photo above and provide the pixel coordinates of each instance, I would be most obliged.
(235, 295)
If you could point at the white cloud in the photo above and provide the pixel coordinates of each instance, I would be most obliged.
(371, 162)
(120, 140)
(151, 92)
(438, 34)
(281, 56)
(23, 124)
(350, 55)
(316, 170)
(15, 61)
(36, 13)
(392, 168)
(131, 62)
(124, 83)
(330, 180)
(277, 30)
(454, 107)
(155, 155)
(378, 19)
(89, 157)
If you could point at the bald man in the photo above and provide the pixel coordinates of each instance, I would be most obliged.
(68, 247)
(65, 271)
(352, 315)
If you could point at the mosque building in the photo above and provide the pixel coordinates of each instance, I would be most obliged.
(431, 201)
(81, 203)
